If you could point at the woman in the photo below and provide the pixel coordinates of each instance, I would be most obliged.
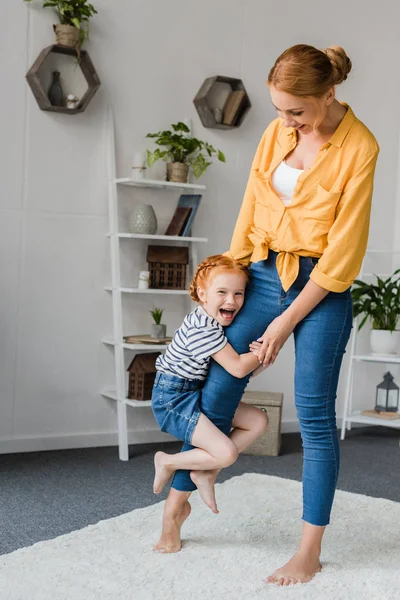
(303, 226)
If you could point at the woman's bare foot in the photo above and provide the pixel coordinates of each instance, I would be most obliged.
(204, 481)
(162, 472)
(300, 569)
(170, 540)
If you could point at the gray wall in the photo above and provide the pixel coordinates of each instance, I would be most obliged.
(151, 57)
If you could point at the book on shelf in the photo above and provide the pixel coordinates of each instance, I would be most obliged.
(144, 338)
(179, 220)
(189, 201)
(233, 106)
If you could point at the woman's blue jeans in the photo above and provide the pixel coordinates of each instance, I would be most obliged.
(320, 342)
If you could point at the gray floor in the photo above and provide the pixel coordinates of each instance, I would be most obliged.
(46, 494)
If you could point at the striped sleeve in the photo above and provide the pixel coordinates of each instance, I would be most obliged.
(203, 342)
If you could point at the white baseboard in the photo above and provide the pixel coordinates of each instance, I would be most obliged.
(90, 440)
(93, 440)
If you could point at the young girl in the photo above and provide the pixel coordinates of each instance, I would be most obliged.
(219, 286)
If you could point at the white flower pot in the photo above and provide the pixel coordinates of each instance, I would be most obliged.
(383, 341)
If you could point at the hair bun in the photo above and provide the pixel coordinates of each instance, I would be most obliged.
(340, 62)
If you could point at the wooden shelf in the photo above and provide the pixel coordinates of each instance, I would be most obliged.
(207, 99)
(155, 183)
(35, 79)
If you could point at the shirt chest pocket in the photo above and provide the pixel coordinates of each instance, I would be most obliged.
(321, 205)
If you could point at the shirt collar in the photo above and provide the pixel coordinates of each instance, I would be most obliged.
(341, 132)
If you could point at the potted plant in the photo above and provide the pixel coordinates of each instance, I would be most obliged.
(158, 330)
(74, 16)
(379, 302)
(181, 152)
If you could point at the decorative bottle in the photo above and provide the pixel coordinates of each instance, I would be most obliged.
(55, 93)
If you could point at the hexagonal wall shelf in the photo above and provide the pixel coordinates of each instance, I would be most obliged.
(222, 102)
(78, 77)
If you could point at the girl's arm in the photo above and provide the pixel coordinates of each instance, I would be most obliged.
(238, 365)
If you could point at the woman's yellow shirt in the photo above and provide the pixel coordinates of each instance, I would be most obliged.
(329, 215)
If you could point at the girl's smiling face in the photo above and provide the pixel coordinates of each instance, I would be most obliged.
(303, 114)
(223, 296)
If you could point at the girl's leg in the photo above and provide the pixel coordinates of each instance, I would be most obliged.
(176, 511)
(248, 424)
(213, 450)
(251, 422)
(320, 342)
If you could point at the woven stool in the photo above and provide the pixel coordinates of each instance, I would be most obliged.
(270, 442)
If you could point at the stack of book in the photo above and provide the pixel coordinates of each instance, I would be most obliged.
(182, 219)
(234, 106)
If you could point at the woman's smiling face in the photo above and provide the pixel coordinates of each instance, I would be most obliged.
(304, 114)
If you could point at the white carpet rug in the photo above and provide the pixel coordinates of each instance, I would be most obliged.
(224, 557)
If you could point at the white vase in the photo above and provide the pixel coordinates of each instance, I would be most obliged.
(383, 341)
(143, 220)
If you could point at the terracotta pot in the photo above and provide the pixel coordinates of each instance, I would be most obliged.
(67, 35)
(177, 172)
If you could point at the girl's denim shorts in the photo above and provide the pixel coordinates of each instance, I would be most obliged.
(176, 405)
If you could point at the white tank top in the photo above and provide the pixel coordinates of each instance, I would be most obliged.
(284, 180)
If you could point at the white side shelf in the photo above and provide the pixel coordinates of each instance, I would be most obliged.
(148, 291)
(118, 389)
(155, 183)
(351, 416)
(357, 417)
(112, 394)
(167, 238)
(152, 347)
(379, 358)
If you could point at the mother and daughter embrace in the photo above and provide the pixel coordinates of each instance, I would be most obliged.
(297, 247)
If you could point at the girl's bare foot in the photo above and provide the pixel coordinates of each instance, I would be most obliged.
(162, 472)
(204, 481)
(170, 540)
(300, 569)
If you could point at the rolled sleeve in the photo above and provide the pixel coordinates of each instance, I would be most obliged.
(347, 239)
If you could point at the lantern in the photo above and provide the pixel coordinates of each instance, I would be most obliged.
(387, 395)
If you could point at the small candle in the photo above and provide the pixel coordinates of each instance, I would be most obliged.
(138, 166)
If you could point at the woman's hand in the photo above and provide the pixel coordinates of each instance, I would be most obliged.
(273, 339)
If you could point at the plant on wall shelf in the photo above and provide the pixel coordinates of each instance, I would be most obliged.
(182, 152)
(74, 17)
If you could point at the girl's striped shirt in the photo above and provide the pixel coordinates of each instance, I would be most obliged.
(197, 339)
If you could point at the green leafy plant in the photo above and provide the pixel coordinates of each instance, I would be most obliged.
(378, 301)
(181, 148)
(157, 314)
(73, 12)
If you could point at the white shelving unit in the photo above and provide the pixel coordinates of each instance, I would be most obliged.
(118, 392)
(354, 416)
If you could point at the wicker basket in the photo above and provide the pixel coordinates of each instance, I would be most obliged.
(269, 443)
(177, 172)
(167, 266)
(67, 35)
